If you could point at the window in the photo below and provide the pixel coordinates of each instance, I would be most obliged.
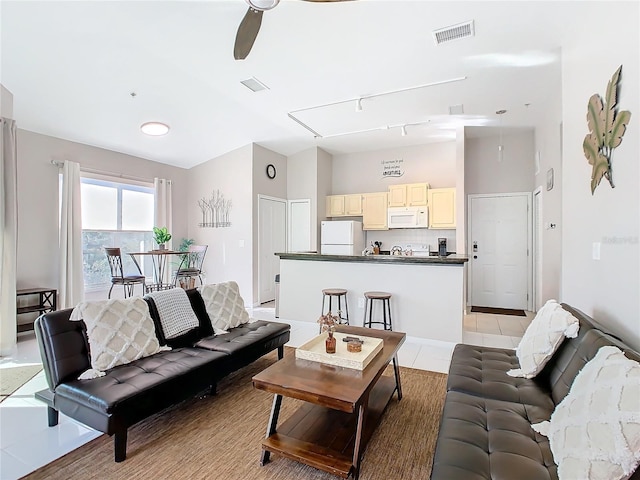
(114, 215)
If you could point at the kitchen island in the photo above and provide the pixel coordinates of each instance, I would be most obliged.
(428, 292)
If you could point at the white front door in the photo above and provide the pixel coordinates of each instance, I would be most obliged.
(499, 249)
(272, 233)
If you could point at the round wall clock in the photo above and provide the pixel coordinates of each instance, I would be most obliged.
(271, 171)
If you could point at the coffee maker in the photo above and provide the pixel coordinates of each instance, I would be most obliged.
(442, 247)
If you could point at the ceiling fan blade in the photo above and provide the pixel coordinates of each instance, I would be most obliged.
(247, 33)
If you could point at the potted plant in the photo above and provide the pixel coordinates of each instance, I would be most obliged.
(161, 236)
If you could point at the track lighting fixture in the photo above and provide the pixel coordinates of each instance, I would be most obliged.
(403, 130)
(358, 105)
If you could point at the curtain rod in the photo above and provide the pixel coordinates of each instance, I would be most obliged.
(60, 164)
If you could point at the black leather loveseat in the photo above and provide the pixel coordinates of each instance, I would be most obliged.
(485, 430)
(129, 393)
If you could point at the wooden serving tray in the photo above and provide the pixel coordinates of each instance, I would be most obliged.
(315, 351)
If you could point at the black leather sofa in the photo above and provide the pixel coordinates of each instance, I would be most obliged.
(485, 430)
(132, 392)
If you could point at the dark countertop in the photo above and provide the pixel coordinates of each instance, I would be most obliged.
(434, 260)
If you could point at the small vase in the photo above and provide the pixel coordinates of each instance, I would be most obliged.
(162, 246)
(330, 343)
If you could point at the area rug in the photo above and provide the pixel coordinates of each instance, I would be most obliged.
(499, 311)
(12, 378)
(219, 437)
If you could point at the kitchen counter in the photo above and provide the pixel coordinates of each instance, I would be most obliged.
(453, 259)
(427, 292)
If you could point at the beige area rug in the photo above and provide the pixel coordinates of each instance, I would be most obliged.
(220, 436)
(12, 378)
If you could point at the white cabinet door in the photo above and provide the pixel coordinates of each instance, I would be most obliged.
(442, 208)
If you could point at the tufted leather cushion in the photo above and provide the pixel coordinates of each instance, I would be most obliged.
(249, 335)
(124, 386)
(482, 371)
(491, 439)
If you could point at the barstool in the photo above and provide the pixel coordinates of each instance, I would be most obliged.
(384, 297)
(337, 292)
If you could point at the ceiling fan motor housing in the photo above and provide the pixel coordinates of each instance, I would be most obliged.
(262, 5)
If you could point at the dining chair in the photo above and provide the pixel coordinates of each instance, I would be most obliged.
(191, 264)
(118, 277)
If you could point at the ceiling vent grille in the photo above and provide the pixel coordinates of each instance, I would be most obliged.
(454, 32)
(254, 84)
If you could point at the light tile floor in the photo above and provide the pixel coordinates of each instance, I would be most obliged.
(27, 443)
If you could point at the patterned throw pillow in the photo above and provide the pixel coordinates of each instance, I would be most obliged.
(119, 331)
(594, 432)
(224, 306)
(542, 338)
(175, 312)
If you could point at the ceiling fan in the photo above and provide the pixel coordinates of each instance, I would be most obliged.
(250, 25)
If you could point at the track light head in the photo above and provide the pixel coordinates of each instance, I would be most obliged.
(403, 130)
(359, 105)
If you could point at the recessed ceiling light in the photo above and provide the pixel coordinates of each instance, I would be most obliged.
(155, 129)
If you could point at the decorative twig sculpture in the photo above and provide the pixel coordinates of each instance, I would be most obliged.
(215, 210)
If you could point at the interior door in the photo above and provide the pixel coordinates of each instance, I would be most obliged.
(272, 233)
(499, 241)
(299, 225)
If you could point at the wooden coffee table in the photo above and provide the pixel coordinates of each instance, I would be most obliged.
(343, 406)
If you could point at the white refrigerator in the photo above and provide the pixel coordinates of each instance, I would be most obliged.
(341, 238)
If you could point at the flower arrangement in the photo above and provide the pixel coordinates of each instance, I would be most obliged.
(328, 322)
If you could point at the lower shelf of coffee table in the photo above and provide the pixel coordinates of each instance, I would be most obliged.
(324, 438)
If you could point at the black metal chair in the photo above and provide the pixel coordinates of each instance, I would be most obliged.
(191, 266)
(117, 274)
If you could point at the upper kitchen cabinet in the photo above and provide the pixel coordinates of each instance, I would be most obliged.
(442, 208)
(344, 205)
(408, 195)
(353, 204)
(336, 206)
(374, 211)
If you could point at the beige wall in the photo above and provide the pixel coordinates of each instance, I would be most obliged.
(263, 185)
(325, 175)
(547, 147)
(361, 172)
(38, 196)
(607, 289)
(6, 103)
(229, 254)
(484, 173)
(302, 183)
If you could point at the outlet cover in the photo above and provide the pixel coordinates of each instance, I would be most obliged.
(361, 303)
(595, 252)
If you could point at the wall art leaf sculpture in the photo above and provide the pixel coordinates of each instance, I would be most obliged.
(606, 129)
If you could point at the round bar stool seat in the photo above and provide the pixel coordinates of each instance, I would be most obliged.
(339, 293)
(385, 299)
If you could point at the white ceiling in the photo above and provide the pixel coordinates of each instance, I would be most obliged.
(71, 67)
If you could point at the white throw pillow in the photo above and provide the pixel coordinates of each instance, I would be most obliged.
(594, 432)
(119, 331)
(224, 306)
(542, 338)
(174, 309)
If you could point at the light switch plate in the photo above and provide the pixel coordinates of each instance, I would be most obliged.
(595, 250)
(361, 303)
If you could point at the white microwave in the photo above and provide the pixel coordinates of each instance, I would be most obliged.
(407, 217)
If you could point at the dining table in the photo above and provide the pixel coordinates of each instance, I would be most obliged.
(161, 280)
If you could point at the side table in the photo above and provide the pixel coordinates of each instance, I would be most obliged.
(47, 302)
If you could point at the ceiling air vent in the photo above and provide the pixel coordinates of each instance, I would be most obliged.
(254, 84)
(454, 32)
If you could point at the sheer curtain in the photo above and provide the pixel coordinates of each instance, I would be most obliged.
(71, 276)
(162, 211)
(8, 233)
